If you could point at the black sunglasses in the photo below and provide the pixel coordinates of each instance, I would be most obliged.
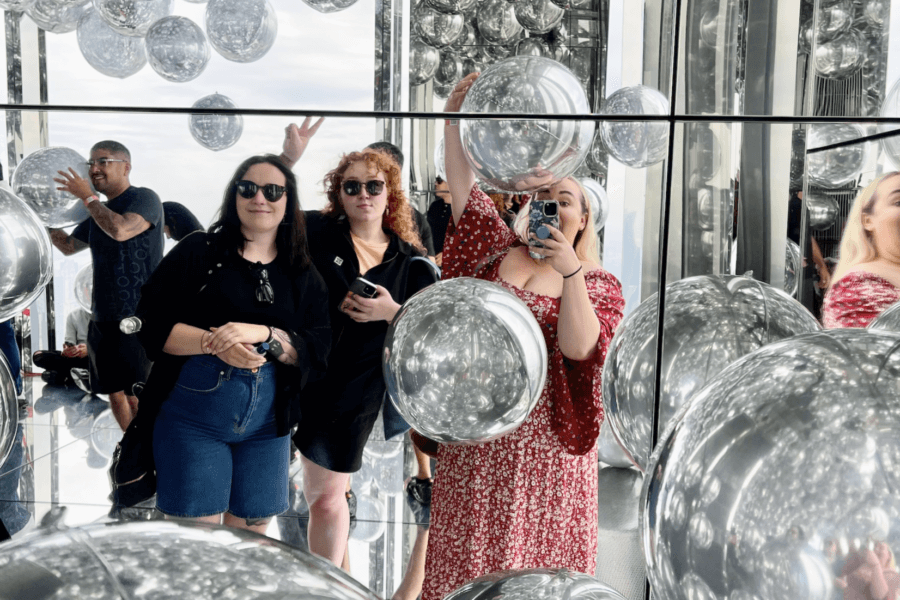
(271, 192)
(264, 292)
(353, 188)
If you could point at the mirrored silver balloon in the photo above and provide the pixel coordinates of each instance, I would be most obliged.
(56, 16)
(453, 6)
(610, 451)
(598, 199)
(535, 584)
(532, 47)
(177, 49)
(33, 182)
(84, 286)
(877, 11)
(841, 56)
(638, 143)
(9, 409)
(216, 131)
(497, 21)
(779, 479)
(709, 323)
(891, 108)
(15, 6)
(241, 30)
(423, 62)
(107, 50)
(823, 210)
(25, 255)
(173, 560)
(132, 17)
(439, 169)
(329, 6)
(837, 167)
(522, 156)
(450, 69)
(538, 16)
(793, 267)
(438, 28)
(888, 320)
(464, 361)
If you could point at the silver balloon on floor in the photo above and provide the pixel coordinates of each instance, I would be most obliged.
(709, 323)
(464, 361)
(780, 479)
(25, 255)
(216, 131)
(241, 30)
(535, 584)
(33, 182)
(637, 144)
(132, 17)
(177, 49)
(107, 50)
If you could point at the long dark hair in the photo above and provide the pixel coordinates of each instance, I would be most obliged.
(291, 237)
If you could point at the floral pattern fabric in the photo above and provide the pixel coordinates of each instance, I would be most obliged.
(857, 299)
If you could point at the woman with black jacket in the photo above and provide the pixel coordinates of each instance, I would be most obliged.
(236, 322)
(365, 230)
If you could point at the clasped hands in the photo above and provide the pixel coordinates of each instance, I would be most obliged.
(380, 308)
(233, 343)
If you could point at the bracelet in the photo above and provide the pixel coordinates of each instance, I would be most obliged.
(451, 122)
(90, 199)
(575, 272)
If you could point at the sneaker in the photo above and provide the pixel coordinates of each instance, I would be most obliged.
(82, 378)
(421, 512)
(419, 490)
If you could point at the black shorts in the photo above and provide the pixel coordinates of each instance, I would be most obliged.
(117, 360)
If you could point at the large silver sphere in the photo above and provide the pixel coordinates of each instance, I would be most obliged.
(781, 474)
(169, 559)
(177, 49)
(439, 29)
(329, 6)
(598, 199)
(56, 16)
(891, 108)
(521, 156)
(837, 167)
(538, 16)
(840, 57)
(709, 323)
(535, 584)
(33, 182)
(213, 131)
(84, 286)
(497, 23)
(889, 320)
(132, 17)
(823, 210)
(610, 451)
(241, 30)
(464, 361)
(423, 62)
(637, 143)
(107, 50)
(450, 69)
(9, 410)
(25, 255)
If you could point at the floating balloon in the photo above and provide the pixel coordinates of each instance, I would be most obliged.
(132, 17)
(241, 30)
(521, 156)
(215, 131)
(597, 156)
(107, 50)
(833, 19)
(840, 166)
(532, 47)
(450, 69)
(33, 182)
(637, 143)
(781, 475)
(177, 49)
(891, 108)
(25, 255)
(538, 16)
(823, 211)
(56, 16)
(535, 584)
(497, 22)
(467, 43)
(840, 57)
(329, 6)
(464, 361)
(423, 62)
(598, 199)
(15, 6)
(793, 267)
(709, 323)
(438, 28)
(453, 6)
(84, 286)
(9, 409)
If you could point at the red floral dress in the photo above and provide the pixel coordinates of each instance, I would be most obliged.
(856, 299)
(528, 499)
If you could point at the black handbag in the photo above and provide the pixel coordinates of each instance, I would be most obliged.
(132, 474)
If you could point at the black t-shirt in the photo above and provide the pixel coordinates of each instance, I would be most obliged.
(439, 213)
(121, 268)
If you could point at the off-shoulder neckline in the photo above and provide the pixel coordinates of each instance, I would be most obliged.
(864, 275)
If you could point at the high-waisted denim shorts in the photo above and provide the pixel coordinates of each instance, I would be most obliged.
(215, 443)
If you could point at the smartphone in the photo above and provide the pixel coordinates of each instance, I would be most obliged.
(542, 213)
(363, 287)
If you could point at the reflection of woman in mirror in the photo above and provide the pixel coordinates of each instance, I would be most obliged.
(866, 280)
(366, 229)
(528, 499)
(870, 574)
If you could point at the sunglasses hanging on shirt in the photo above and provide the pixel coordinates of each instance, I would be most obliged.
(264, 292)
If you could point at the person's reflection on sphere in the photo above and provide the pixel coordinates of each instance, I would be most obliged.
(870, 574)
(866, 280)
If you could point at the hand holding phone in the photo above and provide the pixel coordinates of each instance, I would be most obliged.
(363, 287)
(541, 213)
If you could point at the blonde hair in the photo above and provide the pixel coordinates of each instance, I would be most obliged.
(586, 240)
(857, 246)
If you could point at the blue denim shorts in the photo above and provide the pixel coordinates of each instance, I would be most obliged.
(215, 443)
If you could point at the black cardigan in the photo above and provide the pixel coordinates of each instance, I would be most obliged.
(170, 297)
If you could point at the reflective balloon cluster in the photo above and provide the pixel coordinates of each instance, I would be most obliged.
(33, 182)
(709, 323)
(132, 17)
(839, 166)
(167, 559)
(107, 50)
(780, 478)
(519, 155)
(241, 30)
(177, 49)
(25, 255)
(847, 35)
(216, 131)
(329, 6)
(636, 143)
(9, 409)
(535, 584)
(464, 361)
(57, 16)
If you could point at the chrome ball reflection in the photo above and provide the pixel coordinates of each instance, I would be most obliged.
(107, 50)
(891, 108)
(793, 267)
(174, 559)
(329, 6)
(535, 584)
(84, 286)
(521, 156)
(538, 16)
(15, 6)
(216, 132)
(423, 62)
(438, 28)
(822, 210)
(636, 144)
(9, 409)
(610, 451)
(837, 167)
(781, 470)
(889, 320)
(25, 255)
(132, 17)
(56, 16)
(497, 23)
(33, 182)
(598, 199)
(532, 47)
(453, 6)
(241, 30)
(450, 69)
(464, 361)
(709, 323)
(840, 57)
(177, 49)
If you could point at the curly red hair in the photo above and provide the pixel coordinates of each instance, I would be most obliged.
(399, 216)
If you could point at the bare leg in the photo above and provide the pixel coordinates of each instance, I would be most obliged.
(423, 462)
(122, 408)
(255, 525)
(411, 586)
(329, 517)
(211, 519)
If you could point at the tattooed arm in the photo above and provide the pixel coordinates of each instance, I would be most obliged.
(119, 227)
(67, 244)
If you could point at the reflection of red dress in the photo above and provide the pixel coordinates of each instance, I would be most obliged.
(856, 299)
(528, 499)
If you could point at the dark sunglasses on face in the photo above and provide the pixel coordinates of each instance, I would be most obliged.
(271, 192)
(352, 187)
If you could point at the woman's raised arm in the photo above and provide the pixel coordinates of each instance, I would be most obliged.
(460, 177)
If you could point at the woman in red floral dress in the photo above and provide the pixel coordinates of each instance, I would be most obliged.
(528, 499)
(866, 280)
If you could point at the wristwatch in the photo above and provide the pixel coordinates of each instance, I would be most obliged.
(274, 348)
